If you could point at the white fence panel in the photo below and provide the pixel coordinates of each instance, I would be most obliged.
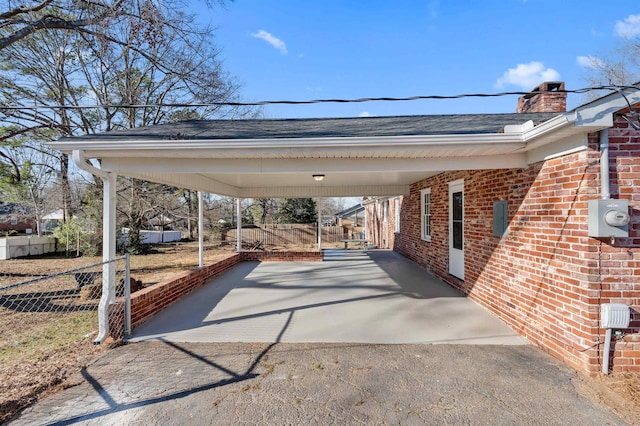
(13, 247)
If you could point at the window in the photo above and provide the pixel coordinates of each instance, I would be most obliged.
(396, 207)
(425, 214)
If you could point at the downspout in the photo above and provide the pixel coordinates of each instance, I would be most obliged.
(108, 242)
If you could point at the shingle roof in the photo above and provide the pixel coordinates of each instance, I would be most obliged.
(324, 127)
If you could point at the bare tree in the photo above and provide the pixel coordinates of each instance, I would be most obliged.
(147, 53)
(265, 210)
(618, 67)
(19, 22)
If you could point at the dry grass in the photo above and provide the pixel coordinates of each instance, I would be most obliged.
(38, 351)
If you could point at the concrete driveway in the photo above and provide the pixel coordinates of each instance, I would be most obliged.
(353, 296)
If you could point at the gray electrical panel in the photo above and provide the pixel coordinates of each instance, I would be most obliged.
(500, 218)
(608, 218)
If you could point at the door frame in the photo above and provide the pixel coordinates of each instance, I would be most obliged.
(456, 256)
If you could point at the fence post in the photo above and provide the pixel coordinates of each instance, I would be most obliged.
(127, 297)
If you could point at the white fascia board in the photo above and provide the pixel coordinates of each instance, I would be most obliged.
(322, 165)
(548, 126)
(393, 143)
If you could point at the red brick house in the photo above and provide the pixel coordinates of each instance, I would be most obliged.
(517, 240)
(501, 206)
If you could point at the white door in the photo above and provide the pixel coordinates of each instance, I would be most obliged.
(456, 229)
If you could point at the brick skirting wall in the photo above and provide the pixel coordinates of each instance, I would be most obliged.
(151, 300)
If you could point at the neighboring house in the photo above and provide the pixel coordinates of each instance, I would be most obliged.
(504, 207)
(518, 240)
(12, 220)
(52, 220)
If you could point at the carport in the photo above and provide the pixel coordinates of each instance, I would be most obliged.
(353, 296)
(371, 156)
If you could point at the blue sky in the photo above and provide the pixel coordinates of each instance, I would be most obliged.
(301, 50)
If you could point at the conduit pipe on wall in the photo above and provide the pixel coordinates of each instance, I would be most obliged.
(605, 194)
(108, 241)
(605, 191)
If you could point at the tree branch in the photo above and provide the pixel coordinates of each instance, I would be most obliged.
(23, 9)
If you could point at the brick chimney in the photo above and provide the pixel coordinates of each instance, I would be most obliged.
(553, 100)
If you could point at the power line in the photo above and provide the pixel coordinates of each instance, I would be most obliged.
(613, 88)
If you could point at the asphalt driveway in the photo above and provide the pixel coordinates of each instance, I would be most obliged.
(168, 383)
(352, 297)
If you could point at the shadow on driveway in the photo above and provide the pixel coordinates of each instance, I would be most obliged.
(321, 383)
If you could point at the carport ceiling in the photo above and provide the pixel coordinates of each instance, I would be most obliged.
(277, 158)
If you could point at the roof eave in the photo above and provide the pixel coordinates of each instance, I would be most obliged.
(394, 143)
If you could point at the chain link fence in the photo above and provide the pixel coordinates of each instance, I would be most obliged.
(48, 323)
(54, 309)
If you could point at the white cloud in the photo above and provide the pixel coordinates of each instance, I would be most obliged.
(527, 76)
(628, 28)
(274, 41)
(365, 114)
(592, 62)
(313, 88)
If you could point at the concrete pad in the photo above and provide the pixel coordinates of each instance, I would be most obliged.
(359, 297)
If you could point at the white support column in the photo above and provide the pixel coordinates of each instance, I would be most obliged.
(239, 224)
(108, 254)
(200, 229)
(109, 180)
(364, 222)
(319, 207)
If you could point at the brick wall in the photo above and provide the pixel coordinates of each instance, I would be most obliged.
(282, 256)
(149, 301)
(545, 278)
(379, 231)
(619, 265)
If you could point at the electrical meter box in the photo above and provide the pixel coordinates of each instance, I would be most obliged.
(608, 218)
(615, 315)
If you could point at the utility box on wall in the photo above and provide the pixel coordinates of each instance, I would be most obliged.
(608, 218)
(615, 315)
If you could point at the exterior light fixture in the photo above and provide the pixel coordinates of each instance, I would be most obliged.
(318, 178)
